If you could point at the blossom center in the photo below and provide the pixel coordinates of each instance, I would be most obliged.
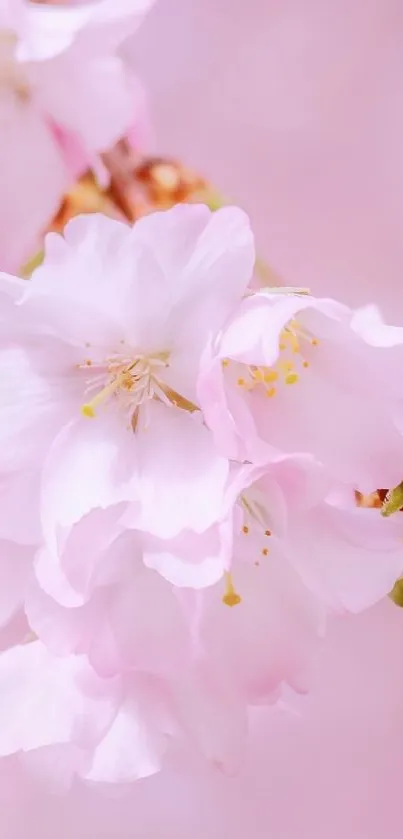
(290, 364)
(131, 382)
(255, 527)
(255, 523)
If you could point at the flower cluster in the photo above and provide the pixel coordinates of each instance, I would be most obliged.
(179, 465)
(66, 97)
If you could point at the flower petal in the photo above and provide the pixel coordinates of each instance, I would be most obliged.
(180, 477)
(46, 700)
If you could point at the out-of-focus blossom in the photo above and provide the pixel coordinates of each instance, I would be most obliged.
(181, 665)
(305, 374)
(96, 724)
(65, 96)
(238, 563)
(165, 666)
(341, 745)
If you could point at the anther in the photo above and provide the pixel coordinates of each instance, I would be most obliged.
(258, 375)
(230, 597)
(88, 410)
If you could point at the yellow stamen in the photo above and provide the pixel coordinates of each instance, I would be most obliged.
(291, 378)
(241, 382)
(88, 410)
(271, 391)
(230, 597)
(265, 551)
(225, 362)
(270, 376)
(305, 363)
(289, 338)
(258, 375)
(177, 399)
(314, 342)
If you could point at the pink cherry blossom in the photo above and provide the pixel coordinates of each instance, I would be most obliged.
(304, 374)
(65, 87)
(100, 376)
(207, 662)
(289, 517)
(298, 552)
(58, 712)
(127, 616)
(100, 729)
(204, 662)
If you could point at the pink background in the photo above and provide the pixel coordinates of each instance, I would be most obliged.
(295, 109)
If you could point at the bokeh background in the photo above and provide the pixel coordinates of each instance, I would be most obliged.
(295, 109)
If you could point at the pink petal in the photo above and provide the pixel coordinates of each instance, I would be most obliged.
(180, 478)
(19, 507)
(33, 191)
(134, 745)
(16, 564)
(85, 469)
(349, 558)
(46, 700)
(191, 560)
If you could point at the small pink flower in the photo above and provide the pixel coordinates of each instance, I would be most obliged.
(65, 96)
(308, 375)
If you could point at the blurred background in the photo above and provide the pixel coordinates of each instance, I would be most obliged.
(295, 110)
